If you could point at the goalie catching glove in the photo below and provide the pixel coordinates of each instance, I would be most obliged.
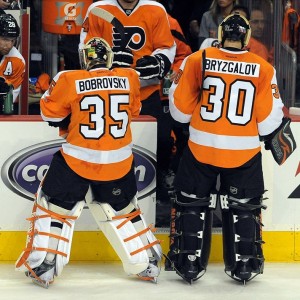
(281, 143)
(122, 58)
(156, 66)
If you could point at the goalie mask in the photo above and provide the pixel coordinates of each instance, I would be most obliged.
(236, 28)
(96, 52)
(8, 26)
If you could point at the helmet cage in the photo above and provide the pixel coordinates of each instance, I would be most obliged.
(96, 52)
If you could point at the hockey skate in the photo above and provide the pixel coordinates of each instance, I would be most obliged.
(247, 270)
(243, 271)
(151, 273)
(190, 271)
(42, 275)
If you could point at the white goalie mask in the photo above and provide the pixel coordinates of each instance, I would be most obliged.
(96, 52)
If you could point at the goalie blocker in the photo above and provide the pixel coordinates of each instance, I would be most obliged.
(281, 142)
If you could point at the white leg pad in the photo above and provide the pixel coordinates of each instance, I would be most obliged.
(132, 263)
(67, 232)
(122, 234)
(149, 238)
(38, 235)
(30, 256)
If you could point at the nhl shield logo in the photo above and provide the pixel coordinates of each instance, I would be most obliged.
(233, 190)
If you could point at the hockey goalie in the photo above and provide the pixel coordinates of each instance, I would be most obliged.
(93, 107)
(229, 111)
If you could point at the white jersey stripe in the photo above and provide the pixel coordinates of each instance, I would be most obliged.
(223, 141)
(98, 156)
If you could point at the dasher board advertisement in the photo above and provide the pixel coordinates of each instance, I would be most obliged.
(26, 152)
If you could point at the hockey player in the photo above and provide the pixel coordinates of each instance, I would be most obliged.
(12, 63)
(95, 107)
(148, 46)
(230, 98)
(176, 135)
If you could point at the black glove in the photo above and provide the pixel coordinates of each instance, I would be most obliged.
(122, 58)
(4, 87)
(281, 142)
(153, 66)
(63, 124)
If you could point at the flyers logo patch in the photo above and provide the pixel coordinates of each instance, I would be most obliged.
(135, 38)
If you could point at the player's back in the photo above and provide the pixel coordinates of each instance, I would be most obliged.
(102, 103)
(236, 96)
(231, 89)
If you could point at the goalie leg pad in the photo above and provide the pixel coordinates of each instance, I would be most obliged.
(148, 237)
(42, 244)
(127, 233)
(242, 240)
(190, 237)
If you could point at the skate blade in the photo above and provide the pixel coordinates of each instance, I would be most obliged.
(152, 279)
(43, 284)
(188, 280)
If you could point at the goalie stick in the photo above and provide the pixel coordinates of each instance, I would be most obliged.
(110, 18)
(202, 73)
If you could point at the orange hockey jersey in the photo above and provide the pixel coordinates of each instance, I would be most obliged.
(147, 32)
(239, 102)
(258, 48)
(182, 48)
(102, 103)
(12, 68)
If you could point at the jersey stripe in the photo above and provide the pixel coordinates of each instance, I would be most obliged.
(223, 141)
(98, 156)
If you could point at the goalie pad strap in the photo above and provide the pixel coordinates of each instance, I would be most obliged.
(58, 237)
(32, 272)
(145, 247)
(45, 249)
(127, 217)
(54, 215)
(138, 234)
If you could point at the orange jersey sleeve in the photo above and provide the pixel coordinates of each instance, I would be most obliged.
(182, 47)
(258, 48)
(182, 51)
(102, 104)
(12, 68)
(236, 102)
(147, 31)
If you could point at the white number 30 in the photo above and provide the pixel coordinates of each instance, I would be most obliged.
(241, 95)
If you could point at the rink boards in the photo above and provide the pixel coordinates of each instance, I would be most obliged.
(27, 146)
